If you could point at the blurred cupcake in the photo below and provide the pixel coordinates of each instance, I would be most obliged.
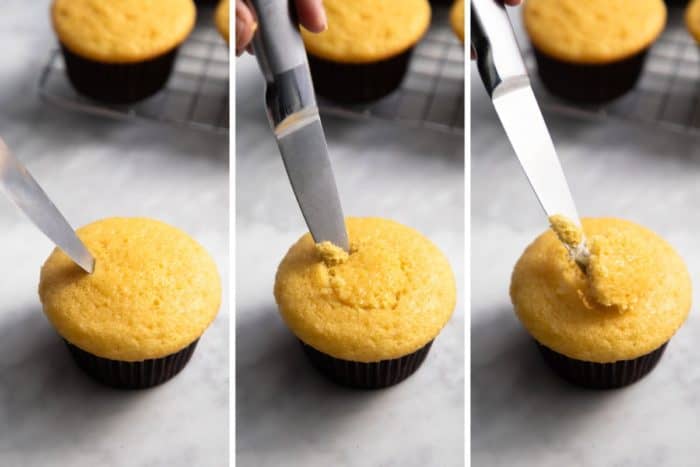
(221, 18)
(134, 322)
(364, 53)
(457, 19)
(592, 51)
(121, 51)
(692, 19)
(607, 327)
(366, 319)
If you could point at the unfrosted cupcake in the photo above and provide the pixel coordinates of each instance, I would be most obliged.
(692, 19)
(134, 322)
(366, 319)
(221, 19)
(364, 53)
(592, 51)
(457, 19)
(608, 326)
(121, 51)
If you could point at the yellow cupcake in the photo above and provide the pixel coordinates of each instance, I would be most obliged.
(692, 19)
(457, 18)
(390, 297)
(366, 31)
(221, 18)
(634, 296)
(122, 31)
(154, 291)
(593, 31)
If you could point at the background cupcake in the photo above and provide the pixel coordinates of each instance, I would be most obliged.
(692, 19)
(135, 321)
(457, 18)
(366, 319)
(121, 52)
(592, 51)
(608, 327)
(364, 53)
(221, 18)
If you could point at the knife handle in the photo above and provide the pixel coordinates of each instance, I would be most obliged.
(281, 55)
(498, 55)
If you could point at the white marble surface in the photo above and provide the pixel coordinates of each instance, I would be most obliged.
(51, 414)
(287, 414)
(522, 414)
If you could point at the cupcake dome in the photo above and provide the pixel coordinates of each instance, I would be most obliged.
(457, 18)
(366, 31)
(635, 296)
(391, 296)
(221, 18)
(154, 291)
(692, 19)
(593, 31)
(124, 31)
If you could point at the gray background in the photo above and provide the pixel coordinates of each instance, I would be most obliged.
(522, 414)
(287, 414)
(51, 414)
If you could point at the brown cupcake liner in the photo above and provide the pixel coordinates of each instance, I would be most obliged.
(589, 84)
(601, 375)
(118, 83)
(132, 375)
(374, 375)
(357, 83)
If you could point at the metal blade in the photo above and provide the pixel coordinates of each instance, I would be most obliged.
(25, 192)
(305, 154)
(522, 120)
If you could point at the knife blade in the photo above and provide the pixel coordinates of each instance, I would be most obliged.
(19, 185)
(505, 77)
(293, 115)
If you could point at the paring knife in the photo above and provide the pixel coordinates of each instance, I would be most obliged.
(294, 118)
(17, 183)
(503, 72)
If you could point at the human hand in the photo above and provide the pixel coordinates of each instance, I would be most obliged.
(310, 13)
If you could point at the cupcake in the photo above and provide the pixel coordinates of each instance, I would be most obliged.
(221, 18)
(692, 19)
(134, 322)
(457, 19)
(603, 323)
(364, 53)
(366, 319)
(592, 51)
(123, 51)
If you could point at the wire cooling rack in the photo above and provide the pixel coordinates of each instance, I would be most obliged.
(196, 96)
(667, 94)
(432, 94)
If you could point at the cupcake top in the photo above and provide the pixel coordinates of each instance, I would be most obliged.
(457, 18)
(692, 19)
(366, 31)
(388, 298)
(593, 31)
(221, 18)
(122, 31)
(633, 297)
(154, 290)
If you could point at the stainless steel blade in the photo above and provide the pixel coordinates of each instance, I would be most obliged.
(522, 120)
(302, 144)
(17, 183)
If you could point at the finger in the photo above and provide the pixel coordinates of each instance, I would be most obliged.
(245, 26)
(312, 15)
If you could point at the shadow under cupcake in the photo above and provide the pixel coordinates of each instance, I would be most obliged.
(609, 326)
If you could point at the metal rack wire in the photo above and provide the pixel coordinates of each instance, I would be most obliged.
(196, 96)
(667, 94)
(432, 94)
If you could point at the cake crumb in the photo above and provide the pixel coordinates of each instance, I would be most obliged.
(331, 255)
(568, 232)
